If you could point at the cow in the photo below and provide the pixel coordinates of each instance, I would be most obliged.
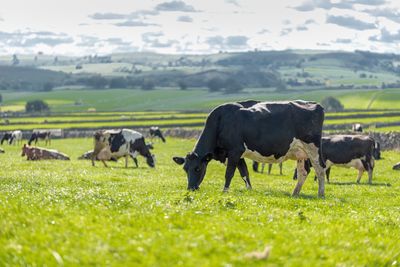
(88, 155)
(43, 135)
(6, 137)
(255, 167)
(38, 153)
(156, 132)
(2, 150)
(120, 143)
(16, 137)
(396, 166)
(269, 132)
(357, 127)
(349, 151)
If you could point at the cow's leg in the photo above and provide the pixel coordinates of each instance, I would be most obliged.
(244, 172)
(280, 168)
(136, 162)
(327, 172)
(262, 167)
(301, 177)
(230, 171)
(126, 161)
(360, 173)
(104, 162)
(315, 156)
(269, 168)
(370, 169)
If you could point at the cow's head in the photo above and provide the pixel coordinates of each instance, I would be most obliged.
(195, 167)
(151, 160)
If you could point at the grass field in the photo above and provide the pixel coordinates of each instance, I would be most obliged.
(193, 99)
(70, 213)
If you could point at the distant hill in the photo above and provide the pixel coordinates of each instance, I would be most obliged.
(283, 70)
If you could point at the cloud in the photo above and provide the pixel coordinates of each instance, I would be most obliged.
(310, 5)
(33, 38)
(134, 23)
(175, 6)
(369, 2)
(264, 31)
(350, 22)
(390, 14)
(301, 28)
(149, 37)
(309, 21)
(233, 2)
(88, 41)
(286, 31)
(185, 19)
(107, 16)
(343, 41)
(386, 37)
(230, 42)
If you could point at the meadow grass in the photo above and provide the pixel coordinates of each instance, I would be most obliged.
(70, 213)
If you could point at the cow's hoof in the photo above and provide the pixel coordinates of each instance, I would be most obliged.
(226, 190)
(249, 187)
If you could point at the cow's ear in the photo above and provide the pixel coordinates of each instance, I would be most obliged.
(179, 160)
(208, 157)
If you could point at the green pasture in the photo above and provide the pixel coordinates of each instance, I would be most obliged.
(119, 100)
(70, 213)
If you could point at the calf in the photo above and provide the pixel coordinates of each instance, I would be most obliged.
(121, 143)
(38, 153)
(43, 135)
(156, 132)
(347, 151)
(255, 167)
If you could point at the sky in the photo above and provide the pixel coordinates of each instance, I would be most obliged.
(87, 27)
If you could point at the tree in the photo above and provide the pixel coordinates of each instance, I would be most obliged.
(233, 86)
(118, 82)
(332, 104)
(15, 60)
(182, 85)
(48, 86)
(148, 85)
(215, 84)
(36, 106)
(1, 98)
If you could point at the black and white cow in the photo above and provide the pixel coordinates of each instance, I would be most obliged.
(121, 143)
(357, 127)
(156, 132)
(6, 137)
(269, 132)
(349, 151)
(42, 135)
(256, 164)
(16, 137)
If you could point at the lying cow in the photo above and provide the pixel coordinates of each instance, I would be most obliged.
(38, 153)
(121, 143)
(255, 167)
(42, 135)
(156, 132)
(349, 151)
(269, 132)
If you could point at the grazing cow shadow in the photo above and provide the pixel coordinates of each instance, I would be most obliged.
(286, 194)
(363, 184)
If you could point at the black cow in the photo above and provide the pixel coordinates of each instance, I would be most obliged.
(269, 132)
(43, 135)
(6, 137)
(255, 167)
(156, 132)
(347, 151)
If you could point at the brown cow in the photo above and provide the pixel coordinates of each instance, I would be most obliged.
(38, 153)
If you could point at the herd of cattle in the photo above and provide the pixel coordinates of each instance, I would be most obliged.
(266, 132)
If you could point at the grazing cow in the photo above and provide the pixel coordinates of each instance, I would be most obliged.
(269, 132)
(120, 143)
(357, 127)
(16, 137)
(156, 132)
(43, 135)
(6, 137)
(88, 155)
(255, 167)
(38, 153)
(349, 151)
(377, 150)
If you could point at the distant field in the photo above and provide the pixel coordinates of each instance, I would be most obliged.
(194, 99)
